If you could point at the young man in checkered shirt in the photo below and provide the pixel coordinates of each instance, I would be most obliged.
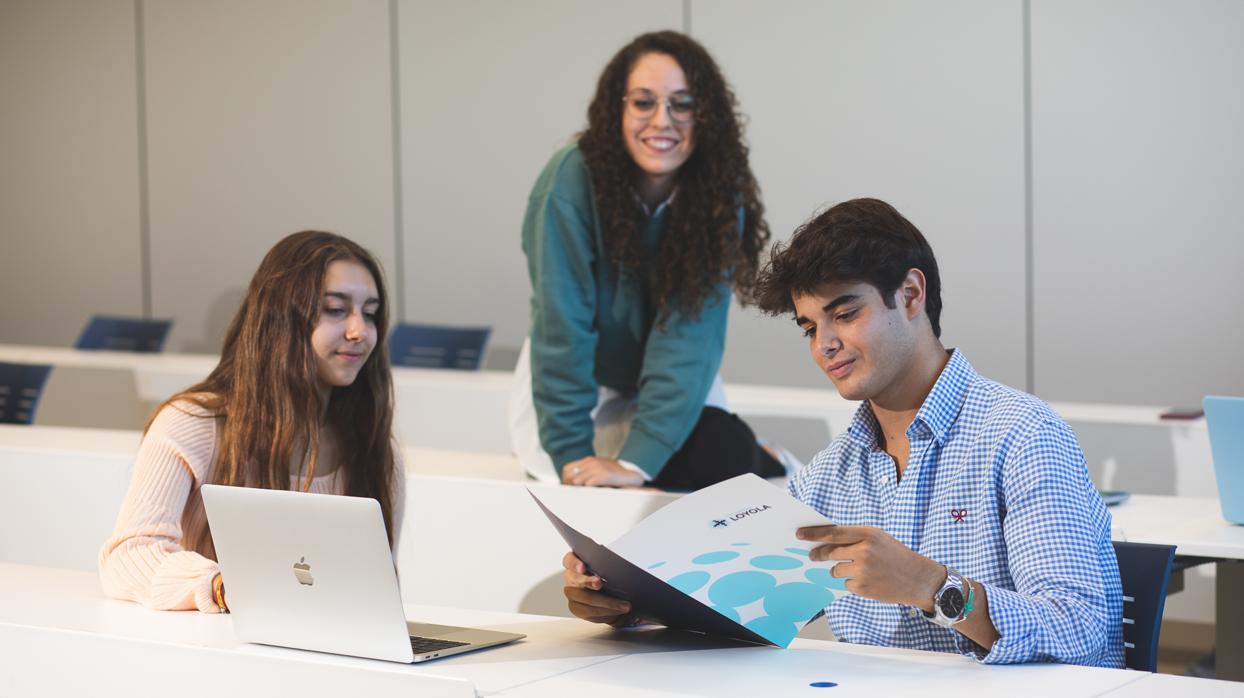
(965, 515)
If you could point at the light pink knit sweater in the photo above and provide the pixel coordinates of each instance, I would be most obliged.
(160, 553)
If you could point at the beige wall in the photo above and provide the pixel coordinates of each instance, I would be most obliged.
(69, 189)
(263, 118)
(418, 127)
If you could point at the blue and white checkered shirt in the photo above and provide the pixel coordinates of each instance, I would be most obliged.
(995, 487)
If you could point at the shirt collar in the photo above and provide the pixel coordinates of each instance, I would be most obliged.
(660, 208)
(938, 412)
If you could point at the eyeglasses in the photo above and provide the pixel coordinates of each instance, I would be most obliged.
(642, 104)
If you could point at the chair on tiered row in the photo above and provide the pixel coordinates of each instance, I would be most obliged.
(21, 385)
(124, 334)
(438, 346)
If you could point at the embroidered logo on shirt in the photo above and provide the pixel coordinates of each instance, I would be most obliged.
(959, 515)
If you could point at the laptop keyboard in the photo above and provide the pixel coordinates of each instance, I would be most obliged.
(431, 644)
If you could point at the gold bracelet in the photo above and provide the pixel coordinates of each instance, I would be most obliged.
(218, 593)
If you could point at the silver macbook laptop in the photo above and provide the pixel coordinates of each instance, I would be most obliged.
(1224, 417)
(314, 572)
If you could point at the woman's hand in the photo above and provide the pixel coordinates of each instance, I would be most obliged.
(600, 472)
(584, 598)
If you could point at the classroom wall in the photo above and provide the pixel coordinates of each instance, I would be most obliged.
(1077, 167)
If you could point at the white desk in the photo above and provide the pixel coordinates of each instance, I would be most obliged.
(445, 409)
(1165, 686)
(67, 484)
(1193, 524)
(433, 408)
(58, 634)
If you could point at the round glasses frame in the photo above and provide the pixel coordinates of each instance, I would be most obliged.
(679, 106)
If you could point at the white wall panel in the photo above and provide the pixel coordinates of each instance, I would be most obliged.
(1138, 183)
(264, 118)
(69, 212)
(919, 104)
(490, 89)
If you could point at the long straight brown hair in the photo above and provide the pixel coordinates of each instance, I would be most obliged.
(264, 394)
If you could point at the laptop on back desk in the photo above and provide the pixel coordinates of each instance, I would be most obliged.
(1224, 416)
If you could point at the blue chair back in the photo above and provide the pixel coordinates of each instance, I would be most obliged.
(124, 334)
(1145, 570)
(21, 386)
(438, 346)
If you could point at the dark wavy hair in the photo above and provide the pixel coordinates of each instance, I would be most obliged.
(702, 245)
(857, 241)
(264, 393)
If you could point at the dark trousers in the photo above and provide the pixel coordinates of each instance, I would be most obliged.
(720, 447)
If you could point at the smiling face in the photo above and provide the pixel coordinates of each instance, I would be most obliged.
(866, 348)
(658, 144)
(345, 333)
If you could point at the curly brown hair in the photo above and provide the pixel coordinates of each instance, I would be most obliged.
(703, 245)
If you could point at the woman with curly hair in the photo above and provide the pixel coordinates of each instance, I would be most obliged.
(302, 399)
(635, 236)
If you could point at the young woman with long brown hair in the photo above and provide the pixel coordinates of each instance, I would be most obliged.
(635, 236)
(301, 400)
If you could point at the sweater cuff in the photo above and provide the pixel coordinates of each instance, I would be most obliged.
(184, 581)
(646, 452)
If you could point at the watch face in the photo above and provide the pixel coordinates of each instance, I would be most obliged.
(950, 602)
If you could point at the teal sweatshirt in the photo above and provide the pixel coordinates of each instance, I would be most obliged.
(591, 327)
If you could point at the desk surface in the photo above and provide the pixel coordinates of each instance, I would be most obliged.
(42, 609)
(1193, 524)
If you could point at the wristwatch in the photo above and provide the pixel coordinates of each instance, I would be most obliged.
(953, 602)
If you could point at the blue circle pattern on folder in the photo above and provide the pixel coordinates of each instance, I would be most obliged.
(690, 582)
(775, 630)
(741, 588)
(772, 595)
(714, 557)
(824, 577)
(776, 562)
(790, 601)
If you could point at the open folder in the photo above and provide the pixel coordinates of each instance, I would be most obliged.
(723, 560)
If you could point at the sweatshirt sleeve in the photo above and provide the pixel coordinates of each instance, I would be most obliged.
(144, 559)
(681, 359)
(558, 238)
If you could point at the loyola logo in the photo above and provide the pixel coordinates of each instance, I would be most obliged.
(302, 571)
(739, 516)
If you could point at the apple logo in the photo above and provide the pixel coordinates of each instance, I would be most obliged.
(303, 572)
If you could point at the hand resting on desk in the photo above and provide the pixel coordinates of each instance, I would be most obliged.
(600, 472)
